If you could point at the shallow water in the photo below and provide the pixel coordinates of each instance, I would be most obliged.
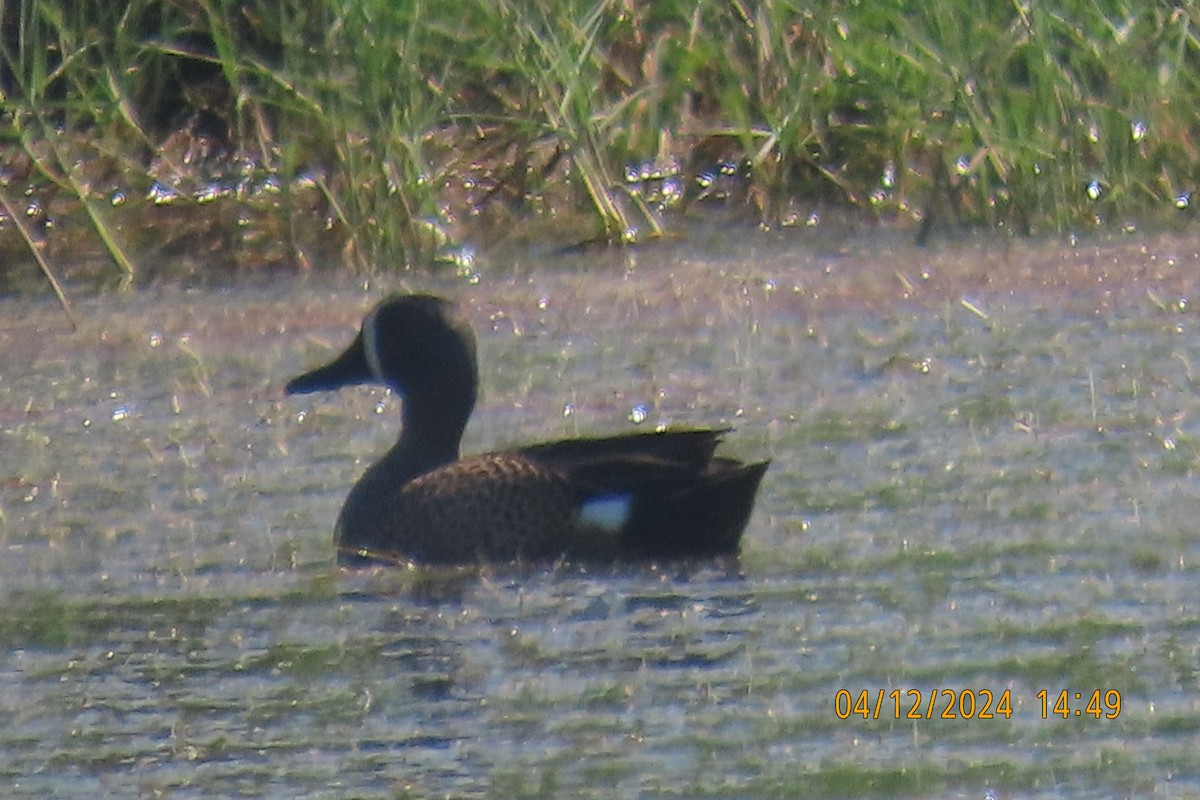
(982, 481)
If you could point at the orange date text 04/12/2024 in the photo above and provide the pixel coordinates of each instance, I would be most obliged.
(915, 704)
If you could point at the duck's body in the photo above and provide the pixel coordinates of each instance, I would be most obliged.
(625, 497)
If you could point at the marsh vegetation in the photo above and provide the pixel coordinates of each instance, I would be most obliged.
(147, 135)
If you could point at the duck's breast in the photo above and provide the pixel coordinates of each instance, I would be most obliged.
(496, 507)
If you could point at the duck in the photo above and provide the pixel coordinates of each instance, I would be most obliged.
(620, 498)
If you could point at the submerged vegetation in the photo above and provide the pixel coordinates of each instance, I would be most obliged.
(385, 133)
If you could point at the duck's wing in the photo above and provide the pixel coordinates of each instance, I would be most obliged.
(664, 494)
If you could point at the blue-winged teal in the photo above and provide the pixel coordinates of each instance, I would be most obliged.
(645, 495)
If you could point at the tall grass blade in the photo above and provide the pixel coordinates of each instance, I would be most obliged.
(48, 271)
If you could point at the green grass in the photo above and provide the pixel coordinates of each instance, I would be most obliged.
(416, 124)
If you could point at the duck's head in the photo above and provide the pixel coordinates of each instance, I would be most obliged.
(416, 344)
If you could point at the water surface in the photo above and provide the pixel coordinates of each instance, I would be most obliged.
(982, 481)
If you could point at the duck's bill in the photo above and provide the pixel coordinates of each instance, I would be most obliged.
(347, 369)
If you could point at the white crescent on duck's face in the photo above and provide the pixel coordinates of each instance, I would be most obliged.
(370, 337)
